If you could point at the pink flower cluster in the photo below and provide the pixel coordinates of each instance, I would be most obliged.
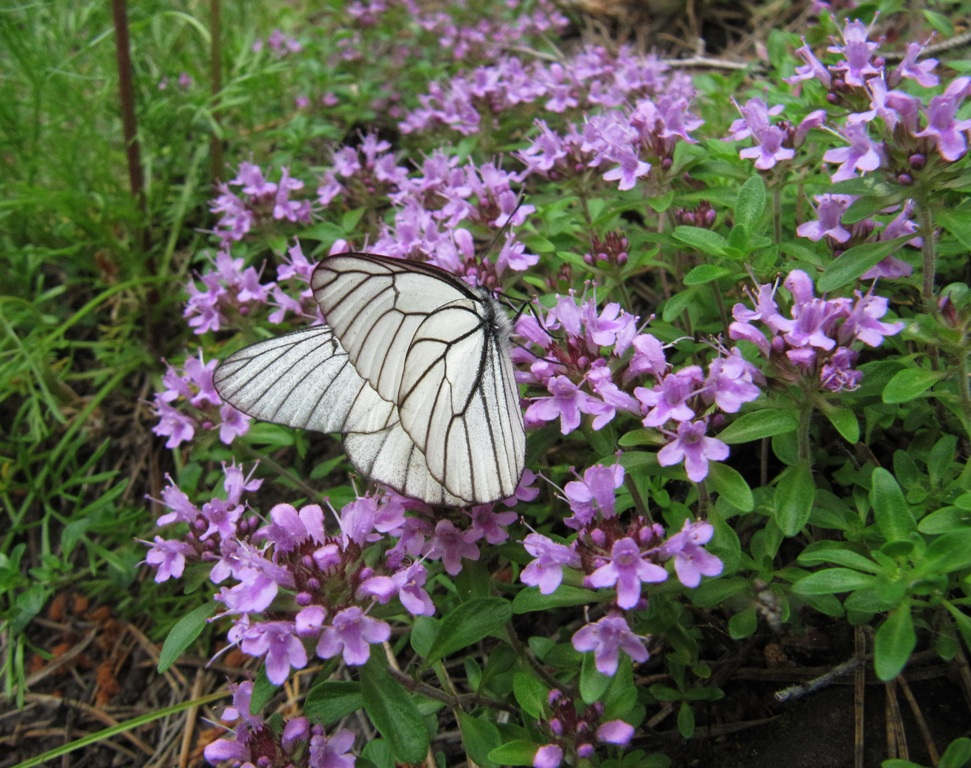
(574, 730)
(259, 200)
(194, 386)
(334, 589)
(583, 380)
(615, 556)
(594, 78)
(627, 142)
(257, 742)
(814, 343)
(906, 136)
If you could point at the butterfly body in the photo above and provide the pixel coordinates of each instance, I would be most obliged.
(413, 369)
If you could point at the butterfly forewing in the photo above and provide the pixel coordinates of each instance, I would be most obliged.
(303, 379)
(375, 305)
(459, 403)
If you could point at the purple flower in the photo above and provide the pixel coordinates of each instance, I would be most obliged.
(813, 69)
(838, 374)
(626, 568)
(648, 357)
(350, 632)
(177, 426)
(289, 528)
(949, 134)
(692, 446)
(908, 67)
(863, 321)
(829, 215)
(411, 590)
(668, 400)
(183, 510)
(731, 382)
(812, 319)
(615, 732)
(450, 545)
(606, 638)
(332, 752)
(691, 561)
(546, 571)
(234, 424)
(168, 558)
(548, 756)
(595, 493)
(566, 403)
(490, 525)
(283, 649)
(856, 68)
(861, 155)
(768, 149)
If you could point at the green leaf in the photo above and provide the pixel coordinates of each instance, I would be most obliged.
(705, 273)
(844, 419)
(910, 384)
(328, 702)
(393, 711)
(529, 600)
(941, 458)
(673, 307)
(480, 737)
(833, 581)
(379, 754)
(758, 424)
(948, 553)
(712, 592)
(750, 204)
(945, 519)
(957, 222)
(263, 691)
(837, 553)
(743, 624)
(890, 508)
(794, 495)
(894, 642)
(961, 620)
(686, 720)
(468, 624)
(703, 240)
(184, 634)
(593, 684)
(727, 482)
(517, 752)
(957, 755)
(855, 261)
(530, 693)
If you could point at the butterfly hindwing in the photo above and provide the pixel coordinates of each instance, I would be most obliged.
(303, 379)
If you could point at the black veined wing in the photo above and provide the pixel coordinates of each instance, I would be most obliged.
(303, 379)
(438, 349)
(415, 372)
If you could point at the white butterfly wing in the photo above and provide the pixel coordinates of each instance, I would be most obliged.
(459, 401)
(303, 379)
(413, 369)
(375, 305)
(391, 457)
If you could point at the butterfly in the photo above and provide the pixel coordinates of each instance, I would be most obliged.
(412, 368)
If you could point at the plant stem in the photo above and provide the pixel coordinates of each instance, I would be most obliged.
(777, 213)
(216, 84)
(805, 419)
(929, 252)
(126, 94)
